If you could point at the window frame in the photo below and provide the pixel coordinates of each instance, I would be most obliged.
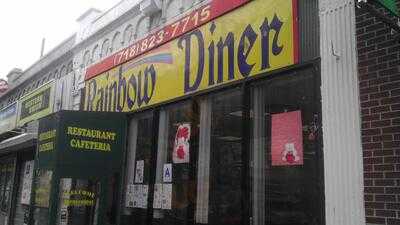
(246, 89)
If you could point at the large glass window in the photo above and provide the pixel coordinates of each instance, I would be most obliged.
(23, 196)
(3, 172)
(285, 154)
(139, 182)
(229, 158)
(43, 181)
(112, 199)
(7, 184)
(78, 201)
(175, 188)
(220, 171)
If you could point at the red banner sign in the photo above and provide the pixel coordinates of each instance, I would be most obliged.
(184, 25)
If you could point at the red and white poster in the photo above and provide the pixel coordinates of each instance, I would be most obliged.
(287, 139)
(181, 153)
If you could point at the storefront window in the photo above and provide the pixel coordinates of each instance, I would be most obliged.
(7, 184)
(78, 202)
(42, 196)
(285, 153)
(175, 188)
(139, 167)
(8, 187)
(23, 196)
(3, 172)
(223, 160)
(220, 160)
(111, 205)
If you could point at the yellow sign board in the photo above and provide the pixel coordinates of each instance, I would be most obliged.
(256, 38)
(37, 104)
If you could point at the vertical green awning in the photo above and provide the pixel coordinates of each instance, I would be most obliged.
(391, 6)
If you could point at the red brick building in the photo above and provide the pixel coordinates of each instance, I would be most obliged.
(379, 82)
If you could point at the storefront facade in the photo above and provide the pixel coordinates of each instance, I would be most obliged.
(78, 168)
(17, 152)
(224, 117)
(18, 146)
(234, 112)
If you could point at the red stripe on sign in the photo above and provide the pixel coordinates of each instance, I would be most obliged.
(220, 7)
(295, 31)
(187, 23)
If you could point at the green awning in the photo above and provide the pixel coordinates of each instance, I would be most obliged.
(391, 6)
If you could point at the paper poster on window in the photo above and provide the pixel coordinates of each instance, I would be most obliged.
(144, 192)
(27, 183)
(129, 195)
(181, 153)
(167, 197)
(140, 194)
(139, 172)
(157, 203)
(287, 139)
(167, 175)
(136, 194)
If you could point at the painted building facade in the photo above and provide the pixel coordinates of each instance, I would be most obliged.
(207, 112)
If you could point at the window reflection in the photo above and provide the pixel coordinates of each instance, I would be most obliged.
(226, 159)
(42, 196)
(284, 194)
(202, 143)
(139, 170)
(177, 147)
(6, 188)
(78, 201)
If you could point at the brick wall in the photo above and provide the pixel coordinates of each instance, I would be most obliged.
(379, 81)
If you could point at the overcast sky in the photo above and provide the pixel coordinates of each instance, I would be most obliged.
(24, 23)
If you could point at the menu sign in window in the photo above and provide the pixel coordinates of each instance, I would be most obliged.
(37, 104)
(8, 118)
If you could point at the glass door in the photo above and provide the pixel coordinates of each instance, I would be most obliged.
(78, 201)
(87, 200)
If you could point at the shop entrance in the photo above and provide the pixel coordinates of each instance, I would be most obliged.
(87, 199)
(7, 168)
(78, 169)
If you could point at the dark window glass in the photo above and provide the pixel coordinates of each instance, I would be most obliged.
(42, 196)
(6, 203)
(225, 204)
(3, 169)
(139, 167)
(285, 172)
(22, 200)
(175, 197)
(7, 185)
(111, 200)
(78, 201)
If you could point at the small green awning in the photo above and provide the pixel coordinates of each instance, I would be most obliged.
(391, 6)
